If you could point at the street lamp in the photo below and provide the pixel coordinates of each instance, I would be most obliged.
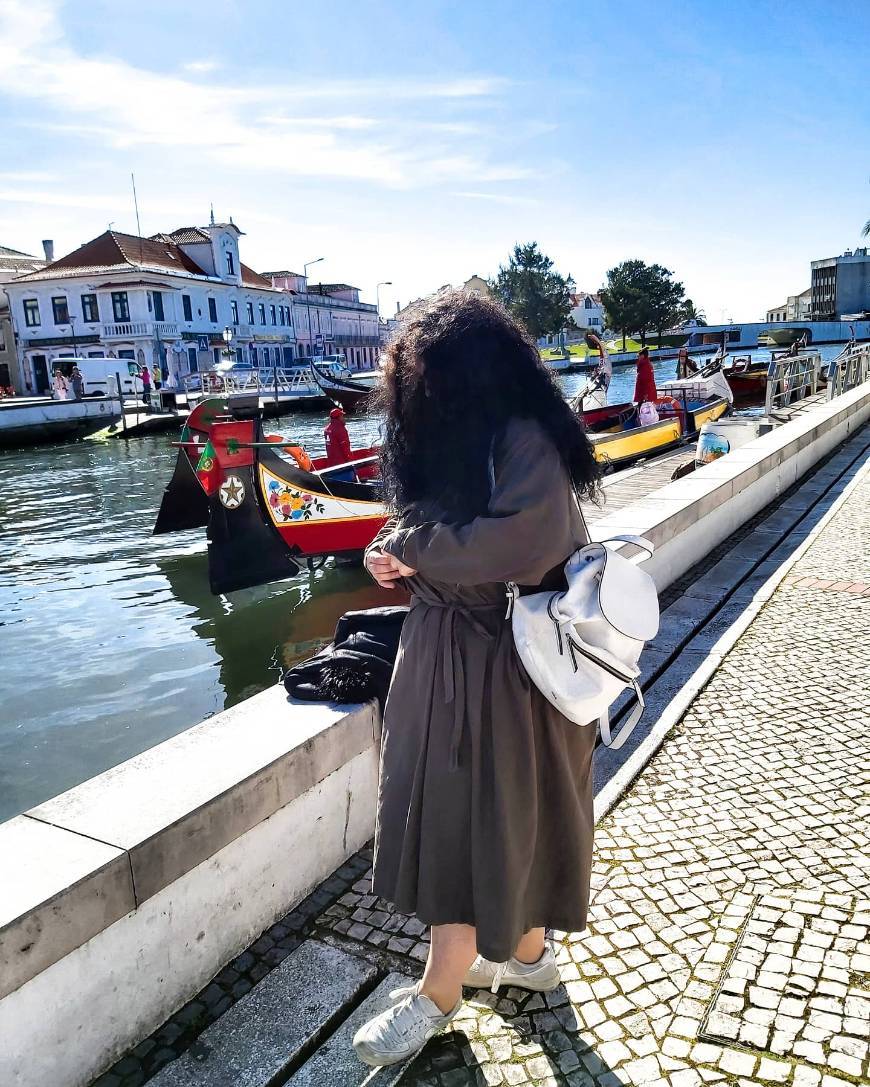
(383, 283)
(305, 268)
(228, 339)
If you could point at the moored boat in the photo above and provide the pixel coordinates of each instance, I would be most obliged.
(35, 420)
(342, 387)
(267, 506)
(618, 437)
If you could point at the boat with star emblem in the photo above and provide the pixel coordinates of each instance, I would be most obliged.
(267, 506)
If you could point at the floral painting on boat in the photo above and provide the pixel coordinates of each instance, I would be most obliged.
(293, 505)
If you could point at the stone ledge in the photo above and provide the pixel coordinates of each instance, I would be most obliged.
(61, 889)
(108, 845)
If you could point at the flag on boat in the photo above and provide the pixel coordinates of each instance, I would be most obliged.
(207, 469)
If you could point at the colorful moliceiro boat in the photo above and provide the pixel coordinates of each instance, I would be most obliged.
(267, 506)
(683, 407)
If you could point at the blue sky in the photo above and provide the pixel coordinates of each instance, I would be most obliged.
(417, 142)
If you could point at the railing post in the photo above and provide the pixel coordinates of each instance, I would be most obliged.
(772, 369)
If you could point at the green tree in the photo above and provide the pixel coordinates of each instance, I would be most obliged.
(641, 297)
(533, 291)
(624, 298)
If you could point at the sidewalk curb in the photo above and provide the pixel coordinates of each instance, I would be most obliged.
(676, 709)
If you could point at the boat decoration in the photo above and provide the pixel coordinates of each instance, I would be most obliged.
(265, 514)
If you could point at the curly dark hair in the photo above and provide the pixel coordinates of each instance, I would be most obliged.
(458, 370)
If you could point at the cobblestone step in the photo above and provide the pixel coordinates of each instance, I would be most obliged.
(335, 1064)
(260, 1039)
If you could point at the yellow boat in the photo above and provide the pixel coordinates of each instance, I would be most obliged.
(618, 439)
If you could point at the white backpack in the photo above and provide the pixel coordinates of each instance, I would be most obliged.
(581, 647)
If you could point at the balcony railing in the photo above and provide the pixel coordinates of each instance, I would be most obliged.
(126, 330)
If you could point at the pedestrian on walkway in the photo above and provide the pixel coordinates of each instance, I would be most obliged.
(60, 385)
(145, 375)
(484, 823)
(78, 383)
(645, 385)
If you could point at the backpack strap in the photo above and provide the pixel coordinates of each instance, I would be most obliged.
(627, 727)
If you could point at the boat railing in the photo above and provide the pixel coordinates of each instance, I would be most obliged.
(790, 379)
(848, 369)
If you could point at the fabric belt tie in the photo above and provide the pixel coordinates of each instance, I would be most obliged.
(452, 666)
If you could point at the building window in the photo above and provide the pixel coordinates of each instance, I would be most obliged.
(158, 306)
(192, 360)
(231, 265)
(262, 309)
(185, 305)
(216, 355)
(234, 311)
(281, 320)
(250, 309)
(254, 361)
(31, 312)
(61, 310)
(90, 313)
(272, 316)
(212, 310)
(120, 306)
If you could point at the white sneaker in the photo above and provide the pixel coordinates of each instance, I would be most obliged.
(541, 976)
(402, 1030)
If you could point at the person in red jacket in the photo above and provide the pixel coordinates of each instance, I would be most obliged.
(337, 439)
(645, 385)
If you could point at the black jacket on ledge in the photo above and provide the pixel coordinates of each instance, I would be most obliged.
(357, 666)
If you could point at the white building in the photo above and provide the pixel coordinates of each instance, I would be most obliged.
(329, 319)
(179, 301)
(13, 263)
(164, 301)
(587, 311)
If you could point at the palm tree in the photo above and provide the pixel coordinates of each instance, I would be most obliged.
(865, 233)
(690, 312)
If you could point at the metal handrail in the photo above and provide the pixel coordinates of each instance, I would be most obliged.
(791, 378)
(265, 381)
(848, 369)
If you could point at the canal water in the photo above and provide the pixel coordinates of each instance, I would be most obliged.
(110, 640)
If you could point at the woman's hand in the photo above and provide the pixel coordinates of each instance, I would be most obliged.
(386, 569)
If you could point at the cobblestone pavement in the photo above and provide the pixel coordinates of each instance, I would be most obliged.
(729, 935)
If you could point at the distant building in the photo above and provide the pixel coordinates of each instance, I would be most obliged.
(476, 285)
(840, 286)
(165, 300)
(587, 311)
(12, 264)
(328, 318)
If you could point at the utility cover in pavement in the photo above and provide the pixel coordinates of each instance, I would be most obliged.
(335, 1062)
(260, 1036)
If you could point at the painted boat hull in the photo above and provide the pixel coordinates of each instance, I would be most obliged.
(616, 441)
(265, 516)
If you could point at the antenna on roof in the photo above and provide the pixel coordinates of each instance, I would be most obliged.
(211, 215)
(136, 206)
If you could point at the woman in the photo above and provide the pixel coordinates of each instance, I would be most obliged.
(645, 386)
(60, 385)
(484, 825)
(686, 367)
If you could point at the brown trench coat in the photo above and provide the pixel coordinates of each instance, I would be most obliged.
(485, 797)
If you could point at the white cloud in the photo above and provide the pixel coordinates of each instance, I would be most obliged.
(123, 106)
(200, 66)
